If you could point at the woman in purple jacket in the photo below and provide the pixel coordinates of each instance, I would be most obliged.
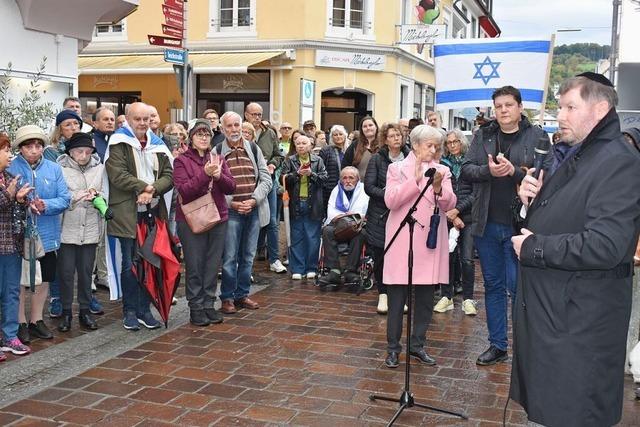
(193, 171)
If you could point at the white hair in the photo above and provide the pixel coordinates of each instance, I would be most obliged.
(340, 129)
(350, 169)
(423, 133)
(228, 115)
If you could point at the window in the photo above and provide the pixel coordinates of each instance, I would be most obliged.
(351, 19)
(407, 12)
(108, 31)
(417, 100)
(232, 18)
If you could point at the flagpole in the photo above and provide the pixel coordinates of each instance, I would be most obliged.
(185, 66)
(548, 77)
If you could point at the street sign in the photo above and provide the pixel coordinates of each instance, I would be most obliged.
(170, 31)
(169, 11)
(177, 4)
(164, 41)
(174, 56)
(173, 21)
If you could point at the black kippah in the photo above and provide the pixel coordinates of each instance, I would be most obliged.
(599, 78)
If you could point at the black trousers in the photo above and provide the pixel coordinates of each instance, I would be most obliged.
(202, 259)
(461, 261)
(331, 255)
(422, 311)
(378, 267)
(72, 259)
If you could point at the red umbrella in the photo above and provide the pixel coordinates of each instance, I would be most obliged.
(157, 267)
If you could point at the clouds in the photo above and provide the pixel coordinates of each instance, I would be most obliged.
(524, 18)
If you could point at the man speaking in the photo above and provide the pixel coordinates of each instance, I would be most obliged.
(576, 255)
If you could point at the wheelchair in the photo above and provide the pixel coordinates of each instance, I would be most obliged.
(364, 281)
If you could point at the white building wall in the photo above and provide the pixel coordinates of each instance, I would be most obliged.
(628, 50)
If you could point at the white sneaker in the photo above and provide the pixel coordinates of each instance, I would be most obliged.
(445, 304)
(296, 276)
(469, 307)
(311, 275)
(383, 307)
(278, 267)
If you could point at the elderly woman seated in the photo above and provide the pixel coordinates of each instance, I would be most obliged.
(348, 197)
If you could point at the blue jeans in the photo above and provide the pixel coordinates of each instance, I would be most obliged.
(271, 230)
(305, 241)
(241, 242)
(499, 270)
(134, 297)
(54, 288)
(10, 269)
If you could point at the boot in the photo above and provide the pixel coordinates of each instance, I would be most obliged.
(199, 318)
(87, 321)
(65, 321)
(382, 304)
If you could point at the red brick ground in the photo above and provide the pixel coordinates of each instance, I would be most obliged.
(304, 358)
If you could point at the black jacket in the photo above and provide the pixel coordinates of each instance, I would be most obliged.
(476, 170)
(573, 300)
(464, 193)
(316, 180)
(375, 182)
(332, 164)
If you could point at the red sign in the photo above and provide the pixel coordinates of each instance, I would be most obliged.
(164, 41)
(177, 4)
(174, 22)
(170, 31)
(169, 11)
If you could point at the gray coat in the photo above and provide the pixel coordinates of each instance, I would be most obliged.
(574, 291)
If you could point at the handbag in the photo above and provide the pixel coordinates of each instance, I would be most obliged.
(347, 226)
(33, 247)
(202, 213)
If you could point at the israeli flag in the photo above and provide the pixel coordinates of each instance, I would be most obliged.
(468, 71)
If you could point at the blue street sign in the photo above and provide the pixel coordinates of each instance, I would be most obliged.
(174, 56)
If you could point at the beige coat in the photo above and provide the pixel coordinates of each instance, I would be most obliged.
(81, 223)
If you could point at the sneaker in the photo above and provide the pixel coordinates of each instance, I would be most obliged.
(213, 315)
(95, 307)
(492, 356)
(311, 275)
(278, 267)
(383, 307)
(285, 262)
(130, 321)
(174, 301)
(55, 308)
(198, 318)
(445, 304)
(40, 330)
(148, 321)
(23, 333)
(15, 346)
(296, 276)
(469, 307)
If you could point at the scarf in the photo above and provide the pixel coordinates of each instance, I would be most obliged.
(343, 201)
(455, 163)
(561, 153)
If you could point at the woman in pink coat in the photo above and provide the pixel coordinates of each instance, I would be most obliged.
(405, 181)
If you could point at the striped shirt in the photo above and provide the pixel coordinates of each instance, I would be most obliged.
(243, 173)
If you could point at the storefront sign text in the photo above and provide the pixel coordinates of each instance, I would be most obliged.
(105, 80)
(355, 61)
(421, 34)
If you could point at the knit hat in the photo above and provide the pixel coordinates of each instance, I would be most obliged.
(67, 114)
(79, 140)
(200, 124)
(27, 133)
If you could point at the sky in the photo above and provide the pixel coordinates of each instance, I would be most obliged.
(528, 18)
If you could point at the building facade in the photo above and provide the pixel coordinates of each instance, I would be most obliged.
(333, 61)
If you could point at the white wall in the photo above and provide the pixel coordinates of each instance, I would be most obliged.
(629, 32)
(25, 50)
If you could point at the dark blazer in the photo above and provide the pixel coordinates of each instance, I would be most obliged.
(574, 291)
(316, 181)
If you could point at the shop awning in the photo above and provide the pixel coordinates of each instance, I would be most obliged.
(209, 63)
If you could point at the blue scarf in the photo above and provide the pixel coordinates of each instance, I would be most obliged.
(455, 163)
(340, 199)
(561, 153)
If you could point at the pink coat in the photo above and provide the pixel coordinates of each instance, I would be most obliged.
(431, 266)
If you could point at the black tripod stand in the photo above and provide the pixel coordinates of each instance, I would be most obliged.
(406, 399)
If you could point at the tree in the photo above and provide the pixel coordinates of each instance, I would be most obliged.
(28, 110)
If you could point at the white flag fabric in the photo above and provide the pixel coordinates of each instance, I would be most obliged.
(469, 70)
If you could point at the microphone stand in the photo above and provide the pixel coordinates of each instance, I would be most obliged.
(406, 399)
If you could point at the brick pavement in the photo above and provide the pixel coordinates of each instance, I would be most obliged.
(304, 358)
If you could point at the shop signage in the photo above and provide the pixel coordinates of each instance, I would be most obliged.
(176, 4)
(421, 34)
(169, 11)
(170, 31)
(352, 60)
(105, 80)
(164, 41)
(173, 21)
(174, 56)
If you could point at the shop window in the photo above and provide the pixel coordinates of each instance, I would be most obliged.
(107, 31)
(350, 19)
(232, 18)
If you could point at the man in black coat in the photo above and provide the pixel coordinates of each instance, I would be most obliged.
(574, 297)
(500, 153)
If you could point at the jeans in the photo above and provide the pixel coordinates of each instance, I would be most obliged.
(10, 269)
(134, 297)
(305, 241)
(499, 270)
(241, 241)
(462, 256)
(270, 231)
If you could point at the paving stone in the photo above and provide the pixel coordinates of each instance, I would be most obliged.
(111, 388)
(82, 416)
(37, 409)
(156, 395)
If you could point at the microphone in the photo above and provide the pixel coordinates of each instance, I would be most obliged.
(429, 173)
(541, 151)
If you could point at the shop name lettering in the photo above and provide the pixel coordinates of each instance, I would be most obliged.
(105, 80)
(232, 83)
(413, 35)
(357, 60)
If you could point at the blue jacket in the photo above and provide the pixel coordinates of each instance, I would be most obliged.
(50, 186)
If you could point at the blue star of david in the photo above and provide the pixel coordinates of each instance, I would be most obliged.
(479, 70)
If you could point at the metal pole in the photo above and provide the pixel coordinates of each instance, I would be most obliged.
(185, 67)
(614, 41)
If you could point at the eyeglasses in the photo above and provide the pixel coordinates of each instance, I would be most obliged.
(255, 114)
(202, 134)
(286, 127)
(454, 142)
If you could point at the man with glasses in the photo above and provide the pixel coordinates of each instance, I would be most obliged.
(212, 116)
(268, 142)
(285, 137)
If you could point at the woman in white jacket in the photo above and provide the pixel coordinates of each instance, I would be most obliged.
(81, 227)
